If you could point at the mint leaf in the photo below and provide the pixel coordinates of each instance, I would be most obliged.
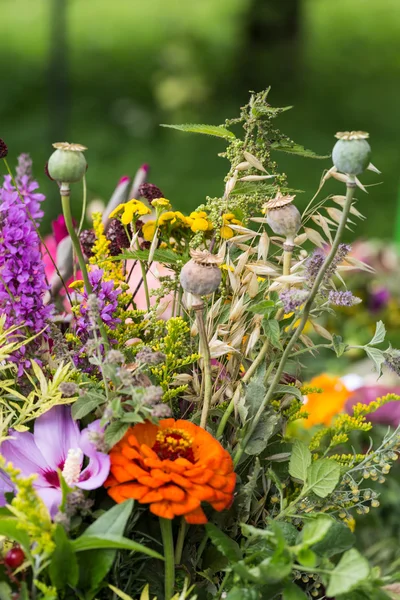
(315, 530)
(338, 345)
(226, 545)
(214, 130)
(377, 356)
(262, 433)
(293, 592)
(272, 332)
(323, 476)
(299, 461)
(379, 335)
(351, 570)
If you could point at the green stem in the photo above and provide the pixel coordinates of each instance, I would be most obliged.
(306, 311)
(84, 203)
(169, 565)
(246, 377)
(205, 351)
(66, 207)
(180, 541)
(201, 549)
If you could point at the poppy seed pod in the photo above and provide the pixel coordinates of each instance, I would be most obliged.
(351, 153)
(67, 164)
(282, 216)
(201, 276)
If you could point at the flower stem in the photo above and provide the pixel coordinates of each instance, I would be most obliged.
(168, 542)
(180, 541)
(205, 351)
(66, 207)
(351, 185)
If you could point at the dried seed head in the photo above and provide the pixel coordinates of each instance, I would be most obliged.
(3, 149)
(201, 276)
(282, 216)
(351, 153)
(67, 164)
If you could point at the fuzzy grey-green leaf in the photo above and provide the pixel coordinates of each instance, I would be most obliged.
(323, 476)
(300, 461)
(214, 130)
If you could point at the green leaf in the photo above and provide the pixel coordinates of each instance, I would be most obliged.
(293, 592)
(272, 111)
(255, 393)
(226, 545)
(323, 476)
(338, 345)
(338, 539)
(289, 389)
(265, 428)
(377, 356)
(307, 557)
(266, 307)
(300, 460)
(272, 332)
(292, 148)
(63, 569)
(315, 530)
(86, 404)
(350, 571)
(214, 130)
(97, 563)
(9, 528)
(92, 542)
(379, 335)
(120, 593)
(163, 256)
(115, 432)
(5, 591)
(272, 569)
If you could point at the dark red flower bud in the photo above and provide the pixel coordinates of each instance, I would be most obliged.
(87, 239)
(3, 149)
(117, 237)
(14, 557)
(150, 191)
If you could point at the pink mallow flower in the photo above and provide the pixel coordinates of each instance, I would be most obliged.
(56, 444)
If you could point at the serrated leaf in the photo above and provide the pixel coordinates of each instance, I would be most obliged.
(166, 257)
(214, 130)
(377, 357)
(351, 570)
(338, 345)
(300, 460)
(272, 332)
(86, 404)
(262, 308)
(225, 544)
(292, 148)
(379, 335)
(323, 476)
(262, 433)
(255, 393)
(289, 389)
(115, 432)
(338, 539)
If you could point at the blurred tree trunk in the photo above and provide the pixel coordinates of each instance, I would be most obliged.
(58, 83)
(274, 20)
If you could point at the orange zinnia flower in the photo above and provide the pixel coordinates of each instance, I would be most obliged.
(323, 407)
(173, 466)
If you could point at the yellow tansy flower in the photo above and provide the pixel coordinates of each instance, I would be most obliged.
(227, 232)
(148, 230)
(321, 408)
(161, 203)
(127, 211)
(198, 221)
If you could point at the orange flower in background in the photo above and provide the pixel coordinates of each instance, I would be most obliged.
(323, 407)
(173, 466)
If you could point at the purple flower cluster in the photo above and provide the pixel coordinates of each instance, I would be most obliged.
(22, 275)
(106, 304)
(292, 299)
(392, 360)
(317, 259)
(343, 298)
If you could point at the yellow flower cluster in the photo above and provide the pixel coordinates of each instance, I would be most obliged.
(101, 254)
(31, 512)
(170, 219)
(198, 221)
(129, 211)
(360, 410)
(226, 231)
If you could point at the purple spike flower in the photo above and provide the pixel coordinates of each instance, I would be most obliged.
(343, 298)
(56, 444)
(107, 303)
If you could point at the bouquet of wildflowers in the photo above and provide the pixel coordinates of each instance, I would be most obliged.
(152, 385)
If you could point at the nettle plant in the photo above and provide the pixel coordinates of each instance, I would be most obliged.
(246, 510)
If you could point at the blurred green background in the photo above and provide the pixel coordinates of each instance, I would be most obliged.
(106, 73)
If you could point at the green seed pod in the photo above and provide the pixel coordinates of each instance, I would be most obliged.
(201, 276)
(67, 164)
(351, 153)
(282, 216)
